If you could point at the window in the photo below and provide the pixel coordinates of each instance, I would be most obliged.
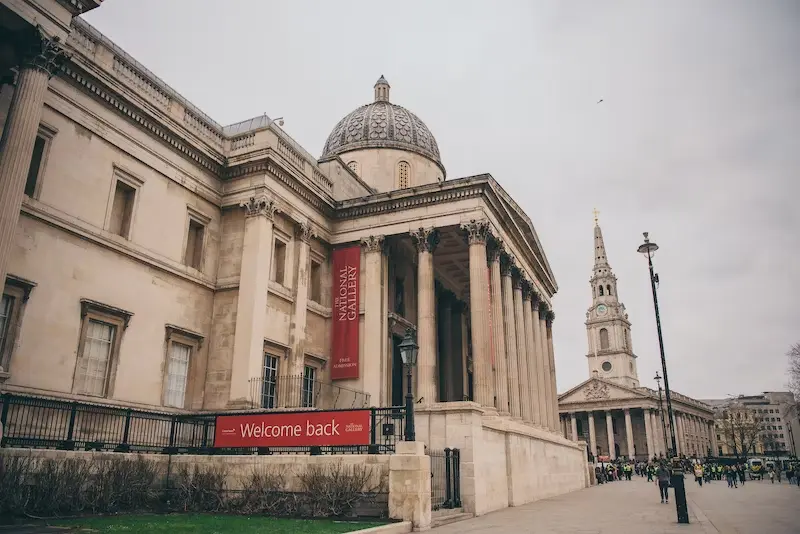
(177, 375)
(309, 376)
(279, 262)
(606, 366)
(353, 166)
(600, 290)
(12, 306)
(269, 377)
(193, 256)
(608, 289)
(403, 175)
(98, 348)
(36, 166)
(315, 283)
(122, 209)
(603, 339)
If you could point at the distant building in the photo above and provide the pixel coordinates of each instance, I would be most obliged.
(771, 417)
(632, 424)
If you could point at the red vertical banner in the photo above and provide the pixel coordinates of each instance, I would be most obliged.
(344, 339)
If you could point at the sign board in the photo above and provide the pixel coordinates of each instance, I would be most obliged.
(344, 338)
(293, 429)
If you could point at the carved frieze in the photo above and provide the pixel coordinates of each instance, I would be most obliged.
(596, 391)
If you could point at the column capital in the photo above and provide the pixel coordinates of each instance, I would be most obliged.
(425, 239)
(41, 52)
(526, 289)
(507, 263)
(627, 411)
(494, 248)
(543, 309)
(373, 243)
(549, 317)
(260, 205)
(476, 230)
(535, 296)
(305, 231)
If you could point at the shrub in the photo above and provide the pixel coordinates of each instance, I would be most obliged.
(264, 492)
(198, 489)
(335, 489)
(123, 484)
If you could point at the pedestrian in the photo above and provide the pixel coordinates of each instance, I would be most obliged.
(662, 481)
(772, 475)
(698, 473)
(741, 474)
(650, 469)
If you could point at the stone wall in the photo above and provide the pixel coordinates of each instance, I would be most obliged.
(503, 462)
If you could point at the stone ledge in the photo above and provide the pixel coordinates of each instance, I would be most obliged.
(392, 528)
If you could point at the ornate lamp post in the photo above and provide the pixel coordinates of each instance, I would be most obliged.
(408, 352)
(661, 412)
(648, 249)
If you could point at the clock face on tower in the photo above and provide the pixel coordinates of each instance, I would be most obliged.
(602, 309)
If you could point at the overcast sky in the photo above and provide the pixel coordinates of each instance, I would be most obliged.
(697, 139)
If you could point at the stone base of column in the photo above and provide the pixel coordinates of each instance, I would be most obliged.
(410, 485)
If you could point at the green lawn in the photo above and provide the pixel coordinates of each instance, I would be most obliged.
(210, 524)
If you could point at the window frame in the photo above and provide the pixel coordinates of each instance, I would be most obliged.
(307, 365)
(132, 181)
(399, 175)
(92, 310)
(193, 215)
(608, 339)
(276, 394)
(47, 133)
(20, 290)
(194, 340)
(273, 269)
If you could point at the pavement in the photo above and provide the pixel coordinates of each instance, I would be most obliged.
(634, 508)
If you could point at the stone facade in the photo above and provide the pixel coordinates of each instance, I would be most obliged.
(611, 411)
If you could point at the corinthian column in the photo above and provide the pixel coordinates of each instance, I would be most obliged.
(506, 265)
(374, 317)
(548, 407)
(446, 345)
(477, 233)
(592, 434)
(426, 240)
(42, 58)
(498, 330)
(551, 360)
(523, 354)
(251, 307)
(532, 369)
(539, 383)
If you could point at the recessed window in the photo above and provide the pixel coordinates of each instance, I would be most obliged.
(269, 381)
(403, 174)
(353, 166)
(279, 262)
(177, 374)
(193, 257)
(315, 282)
(600, 289)
(35, 167)
(631, 364)
(122, 209)
(606, 366)
(12, 308)
(603, 339)
(6, 307)
(98, 348)
(309, 381)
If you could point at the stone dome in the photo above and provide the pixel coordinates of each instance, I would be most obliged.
(382, 124)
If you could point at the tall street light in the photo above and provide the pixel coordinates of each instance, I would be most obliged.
(661, 412)
(648, 249)
(408, 352)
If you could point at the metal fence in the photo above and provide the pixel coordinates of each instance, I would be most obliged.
(445, 478)
(39, 422)
(298, 391)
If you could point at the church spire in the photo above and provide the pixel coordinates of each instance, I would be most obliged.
(601, 266)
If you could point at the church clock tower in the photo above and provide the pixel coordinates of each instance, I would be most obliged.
(610, 350)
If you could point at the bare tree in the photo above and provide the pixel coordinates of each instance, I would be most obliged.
(740, 431)
(794, 370)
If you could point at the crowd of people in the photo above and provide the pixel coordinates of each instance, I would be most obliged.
(659, 471)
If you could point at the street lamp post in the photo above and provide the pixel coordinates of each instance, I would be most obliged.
(408, 352)
(661, 412)
(648, 249)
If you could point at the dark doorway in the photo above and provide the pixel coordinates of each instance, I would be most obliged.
(397, 372)
(616, 450)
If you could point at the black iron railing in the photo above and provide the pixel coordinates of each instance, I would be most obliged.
(47, 423)
(445, 478)
(297, 391)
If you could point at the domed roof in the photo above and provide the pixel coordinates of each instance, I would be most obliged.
(382, 124)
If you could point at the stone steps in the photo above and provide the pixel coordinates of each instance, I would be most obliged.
(445, 517)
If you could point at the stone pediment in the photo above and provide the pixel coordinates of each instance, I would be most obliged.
(596, 389)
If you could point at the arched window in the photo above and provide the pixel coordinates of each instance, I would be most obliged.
(608, 289)
(603, 339)
(601, 290)
(403, 174)
(594, 292)
(353, 165)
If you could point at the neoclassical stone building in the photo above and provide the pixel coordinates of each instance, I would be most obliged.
(611, 410)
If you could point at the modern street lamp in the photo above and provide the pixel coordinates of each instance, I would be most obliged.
(408, 352)
(661, 412)
(648, 249)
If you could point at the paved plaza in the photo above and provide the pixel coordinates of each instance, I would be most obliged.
(633, 507)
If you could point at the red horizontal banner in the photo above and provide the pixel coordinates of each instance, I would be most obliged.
(301, 429)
